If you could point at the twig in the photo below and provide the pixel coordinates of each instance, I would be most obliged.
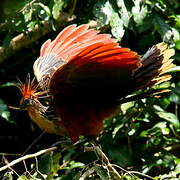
(87, 173)
(28, 156)
(133, 172)
(7, 162)
(104, 159)
(27, 5)
(35, 141)
(141, 174)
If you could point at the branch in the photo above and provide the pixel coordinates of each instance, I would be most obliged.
(28, 156)
(23, 40)
(101, 155)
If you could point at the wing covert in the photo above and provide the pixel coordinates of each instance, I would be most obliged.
(71, 41)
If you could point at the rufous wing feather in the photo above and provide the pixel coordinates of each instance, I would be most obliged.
(71, 41)
(86, 89)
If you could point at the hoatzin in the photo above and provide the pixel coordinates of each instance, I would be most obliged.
(83, 76)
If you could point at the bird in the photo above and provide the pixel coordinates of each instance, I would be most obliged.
(82, 76)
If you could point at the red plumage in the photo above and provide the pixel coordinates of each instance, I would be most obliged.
(86, 74)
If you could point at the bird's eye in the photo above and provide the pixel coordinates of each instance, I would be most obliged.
(27, 101)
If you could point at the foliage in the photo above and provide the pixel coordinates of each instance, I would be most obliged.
(144, 137)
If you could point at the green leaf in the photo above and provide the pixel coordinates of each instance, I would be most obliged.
(125, 15)
(163, 126)
(176, 35)
(46, 8)
(164, 29)
(102, 173)
(174, 98)
(31, 26)
(139, 12)
(177, 45)
(55, 162)
(105, 14)
(28, 15)
(45, 164)
(126, 106)
(174, 69)
(23, 177)
(116, 26)
(57, 8)
(170, 117)
(8, 84)
(74, 164)
(4, 112)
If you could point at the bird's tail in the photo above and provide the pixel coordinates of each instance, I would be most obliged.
(155, 64)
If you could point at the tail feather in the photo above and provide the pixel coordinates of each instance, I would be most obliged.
(155, 63)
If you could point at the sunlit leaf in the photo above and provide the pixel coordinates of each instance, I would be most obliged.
(57, 8)
(4, 112)
(125, 15)
(164, 29)
(116, 26)
(174, 98)
(105, 14)
(139, 12)
(126, 106)
(174, 69)
(163, 126)
(103, 174)
(170, 117)
(28, 15)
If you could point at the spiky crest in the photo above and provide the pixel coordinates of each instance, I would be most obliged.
(29, 89)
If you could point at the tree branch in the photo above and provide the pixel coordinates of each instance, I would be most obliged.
(28, 156)
(23, 40)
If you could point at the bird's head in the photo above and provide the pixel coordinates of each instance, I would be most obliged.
(29, 93)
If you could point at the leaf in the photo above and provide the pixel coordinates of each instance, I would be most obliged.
(55, 162)
(116, 130)
(4, 112)
(31, 26)
(105, 14)
(139, 12)
(57, 8)
(74, 164)
(176, 35)
(125, 15)
(170, 117)
(8, 84)
(177, 45)
(102, 172)
(28, 15)
(174, 98)
(45, 164)
(164, 29)
(116, 26)
(46, 8)
(126, 106)
(23, 177)
(173, 69)
(163, 126)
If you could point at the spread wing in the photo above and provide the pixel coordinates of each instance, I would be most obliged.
(101, 71)
(71, 41)
(107, 72)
